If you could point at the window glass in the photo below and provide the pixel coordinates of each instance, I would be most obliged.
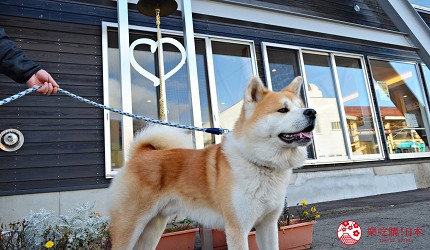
(233, 68)
(355, 97)
(426, 71)
(114, 99)
(423, 3)
(205, 104)
(144, 95)
(283, 66)
(321, 94)
(402, 106)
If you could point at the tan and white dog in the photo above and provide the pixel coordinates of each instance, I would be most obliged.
(236, 185)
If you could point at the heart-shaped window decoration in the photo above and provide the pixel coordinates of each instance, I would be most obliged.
(153, 46)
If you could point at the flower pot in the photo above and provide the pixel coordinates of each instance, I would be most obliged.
(295, 236)
(219, 240)
(180, 240)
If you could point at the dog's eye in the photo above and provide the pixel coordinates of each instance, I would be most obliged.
(283, 110)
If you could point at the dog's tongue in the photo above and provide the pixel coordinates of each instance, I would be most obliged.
(305, 134)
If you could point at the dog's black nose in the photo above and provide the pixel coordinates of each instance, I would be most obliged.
(311, 113)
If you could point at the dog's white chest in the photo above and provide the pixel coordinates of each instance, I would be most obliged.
(257, 194)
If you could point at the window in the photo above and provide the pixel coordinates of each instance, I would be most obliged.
(233, 68)
(224, 67)
(145, 96)
(336, 125)
(356, 104)
(425, 4)
(230, 65)
(426, 73)
(113, 100)
(283, 67)
(321, 93)
(337, 88)
(402, 106)
(205, 100)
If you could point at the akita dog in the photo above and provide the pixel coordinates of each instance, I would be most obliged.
(236, 185)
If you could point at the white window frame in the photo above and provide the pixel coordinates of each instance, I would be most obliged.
(350, 157)
(109, 173)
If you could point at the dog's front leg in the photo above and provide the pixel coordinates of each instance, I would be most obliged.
(267, 232)
(237, 237)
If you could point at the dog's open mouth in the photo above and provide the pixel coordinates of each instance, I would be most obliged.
(301, 137)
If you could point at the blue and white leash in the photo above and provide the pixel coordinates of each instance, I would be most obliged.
(216, 131)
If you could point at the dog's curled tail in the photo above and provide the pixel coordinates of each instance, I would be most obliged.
(162, 137)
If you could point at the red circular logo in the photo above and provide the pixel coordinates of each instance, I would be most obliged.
(349, 232)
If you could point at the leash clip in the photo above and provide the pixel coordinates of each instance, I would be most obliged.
(217, 131)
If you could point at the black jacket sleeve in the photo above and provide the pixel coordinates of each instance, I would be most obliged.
(13, 62)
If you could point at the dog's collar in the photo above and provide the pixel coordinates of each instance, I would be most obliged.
(264, 167)
(260, 166)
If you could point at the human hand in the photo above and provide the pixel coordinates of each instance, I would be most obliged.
(42, 77)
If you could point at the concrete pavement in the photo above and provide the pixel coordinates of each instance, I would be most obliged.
(389, 221)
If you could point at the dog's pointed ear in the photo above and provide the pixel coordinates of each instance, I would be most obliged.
(295, 86)
(255, 90)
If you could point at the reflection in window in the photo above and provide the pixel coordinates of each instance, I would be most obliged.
(356, 104)
(329, 142)
(233, 68)
(402, 106)
(336, 126)
(283, 65)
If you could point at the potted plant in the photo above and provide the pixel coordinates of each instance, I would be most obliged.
(81, 228)
(178, 235)
(293, 233)
(296, 233)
